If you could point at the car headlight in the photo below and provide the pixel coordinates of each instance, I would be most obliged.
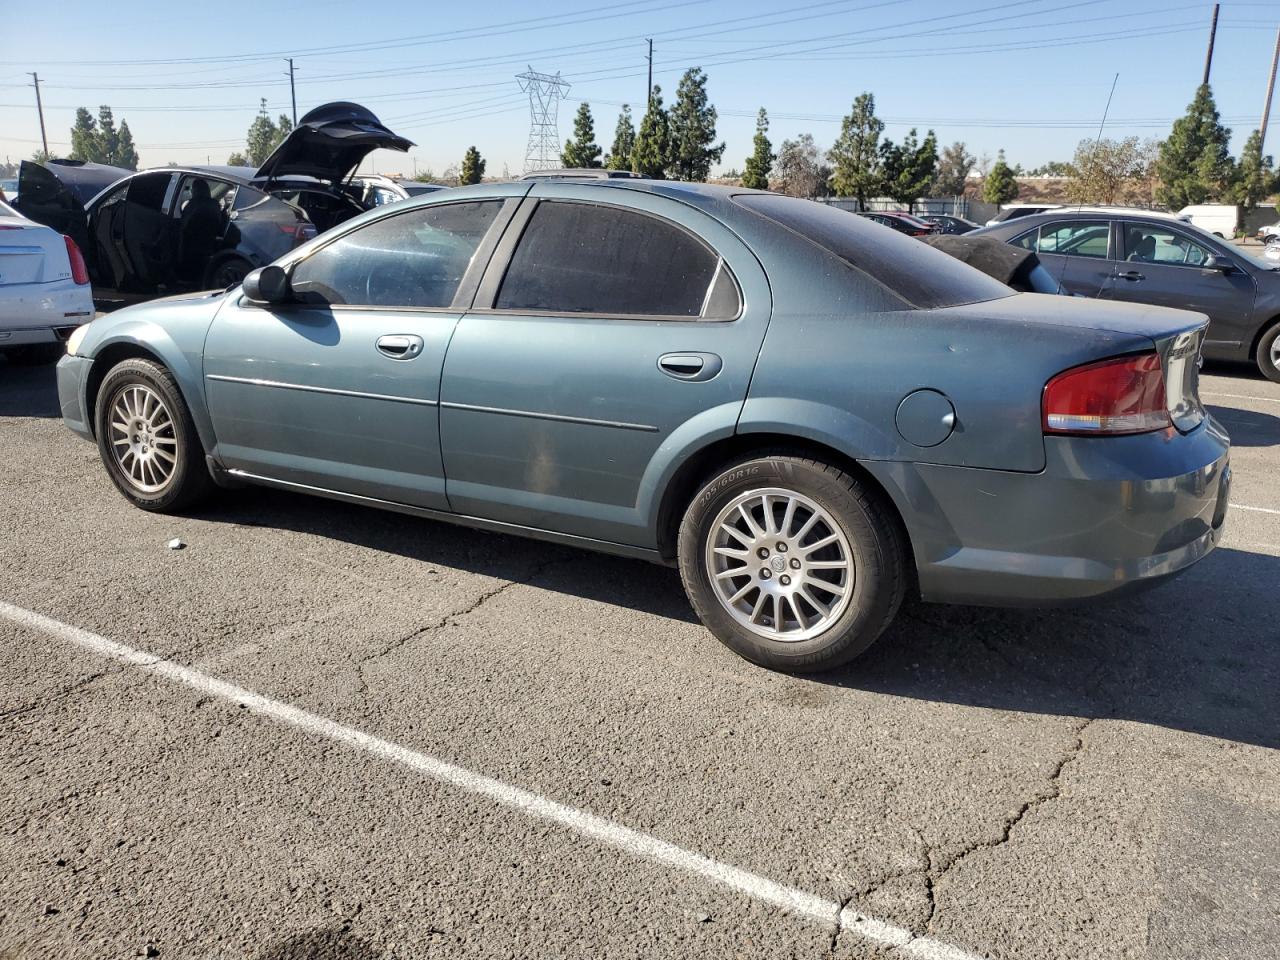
(76, 338)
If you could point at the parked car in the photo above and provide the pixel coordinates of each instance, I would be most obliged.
(1270, 233)
(1220, 219)
(1156, 260)
(583, 173)
(44, 289)
(377, 191)
(949, 224)
(9, 190)
(809, 414)
(1015, 267)
(902, 222)
(1014, 211)
(175, 229)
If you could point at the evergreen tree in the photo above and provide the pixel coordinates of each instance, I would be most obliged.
(855, 155)
(108, 138)
(264, 135)
(1255, 179)
(1195, 164)
(624, 141)
(760, 163)
(653, 143)
(126, 156)
(472, 167)
(908, 170)
(84, 136)
(1000, 185)
(693, 130)
(582, 150)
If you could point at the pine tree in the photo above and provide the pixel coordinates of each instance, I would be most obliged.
(856, 155)
(126, 156)
(1000, 185)
(264, 135)
(624, 141)
(582, 150)
(756, 174)
(1195, 164)
(472, 167)
(653, 142)
(108, 138)
(908, 171)
(84, 136)
(1255, 178)
(693, 130)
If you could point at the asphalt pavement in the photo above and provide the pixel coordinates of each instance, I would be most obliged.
(323, 732)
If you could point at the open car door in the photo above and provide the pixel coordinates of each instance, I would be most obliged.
(56, 195)
(329, 142)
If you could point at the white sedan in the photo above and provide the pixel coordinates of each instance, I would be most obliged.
(44, 289)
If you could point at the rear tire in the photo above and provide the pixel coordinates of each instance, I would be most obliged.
(228, 272)
(792, 563)
(147, 439)
(1267, 355)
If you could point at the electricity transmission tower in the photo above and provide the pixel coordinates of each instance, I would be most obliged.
(545, 93)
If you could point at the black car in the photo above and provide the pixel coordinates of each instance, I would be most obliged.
(1164, 262)
(1015, 267)
(902, 222)
(948, 224)
(190, 228)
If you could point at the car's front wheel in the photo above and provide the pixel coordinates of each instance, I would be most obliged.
(147, 439)
(1268, 353)
(792, 563)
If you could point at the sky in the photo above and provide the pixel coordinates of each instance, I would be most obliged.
(1031, 77)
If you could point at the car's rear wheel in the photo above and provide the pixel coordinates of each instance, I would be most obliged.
(1268, 354)
(228, 272)
(147, 440)
(792, 563)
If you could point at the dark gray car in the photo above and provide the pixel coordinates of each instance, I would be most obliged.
(810, 414)
(1167, 263)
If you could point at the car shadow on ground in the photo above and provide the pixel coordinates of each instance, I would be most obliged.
(1200, 653)
(1247, 428)
(28, 391)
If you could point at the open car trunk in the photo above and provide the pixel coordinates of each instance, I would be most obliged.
(56, 194)
(329, 143)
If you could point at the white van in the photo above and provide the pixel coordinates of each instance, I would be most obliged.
(1217, 218)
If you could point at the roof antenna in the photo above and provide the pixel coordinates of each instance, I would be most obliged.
(1096, 140)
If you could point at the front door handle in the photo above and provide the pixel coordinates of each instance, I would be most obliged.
(1132, 275)
(400, 346)
(690, 366)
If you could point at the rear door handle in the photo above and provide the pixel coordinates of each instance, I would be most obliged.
(400, 346)
(1133, 275)
(690, 366)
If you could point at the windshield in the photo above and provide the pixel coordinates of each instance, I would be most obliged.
(916, 272)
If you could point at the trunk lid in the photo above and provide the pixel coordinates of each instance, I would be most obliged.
(30, 253)
(329, 143)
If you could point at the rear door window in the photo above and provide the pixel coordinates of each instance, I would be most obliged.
(594, 259)
(1076, 238)
(414, 259)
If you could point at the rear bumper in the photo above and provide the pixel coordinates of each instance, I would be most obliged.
(1105, 516)
(73, 372)
(33, 313)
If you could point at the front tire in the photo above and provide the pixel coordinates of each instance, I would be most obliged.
(147, 439)
(792, 563)
(1267, 356)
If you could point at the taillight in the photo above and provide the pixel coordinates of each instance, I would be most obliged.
(79, 272)
(301, 232)
(1125, 395)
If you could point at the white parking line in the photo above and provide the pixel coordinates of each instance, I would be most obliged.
(1238, 396)
(789, 899)
(1241, 506)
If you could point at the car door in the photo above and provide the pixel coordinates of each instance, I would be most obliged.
(143, 233)
(612, 325)
(1164, 266)
(1076, 253)
(339, 391)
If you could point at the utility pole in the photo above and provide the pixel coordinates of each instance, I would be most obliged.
(292, 92)
(1271, 86)
(648, 97)
(44, 140)
(1213, 32)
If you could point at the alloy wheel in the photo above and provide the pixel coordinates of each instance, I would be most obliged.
(780, 564)
(143, 440)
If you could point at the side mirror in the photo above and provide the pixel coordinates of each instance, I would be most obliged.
(269, 284)
(1218, 265)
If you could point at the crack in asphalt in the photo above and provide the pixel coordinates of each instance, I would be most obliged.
(450, 619)
(59, 695)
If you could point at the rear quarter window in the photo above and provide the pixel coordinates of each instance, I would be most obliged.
(915, 272)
